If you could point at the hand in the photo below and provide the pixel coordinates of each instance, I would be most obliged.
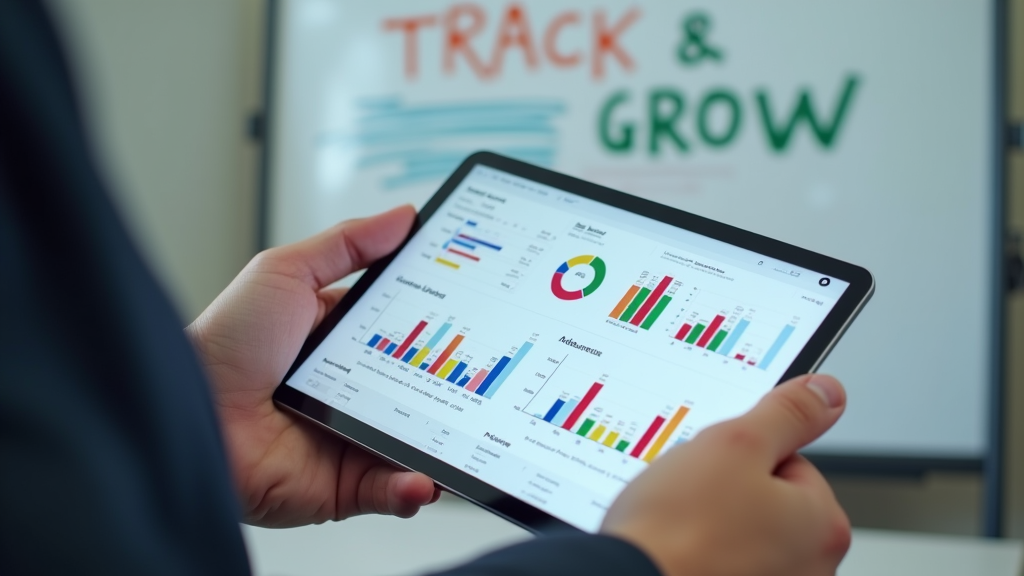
(738, 499)
(287, 471)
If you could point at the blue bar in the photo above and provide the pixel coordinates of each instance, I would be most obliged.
(554, 410)
(470, 223)
(493, 375)
(438, 335)
(462, 383)
(425, 365)
(508, 370)
(779, 342)
(480, 242)
(459, 369)
(409, 354)
(734, 337)
(391, 348)
(564, 412)
(374, 341)
(462, 243)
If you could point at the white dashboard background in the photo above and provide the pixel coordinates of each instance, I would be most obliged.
(905, 189)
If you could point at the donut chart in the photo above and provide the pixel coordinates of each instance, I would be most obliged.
(599, 271)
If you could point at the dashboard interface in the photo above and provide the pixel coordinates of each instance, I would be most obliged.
(553, 346)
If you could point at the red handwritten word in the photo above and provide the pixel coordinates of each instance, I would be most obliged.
(461, 23)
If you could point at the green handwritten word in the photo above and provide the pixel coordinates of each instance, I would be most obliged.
(718, 119)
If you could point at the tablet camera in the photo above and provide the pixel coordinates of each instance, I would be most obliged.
(824, 282)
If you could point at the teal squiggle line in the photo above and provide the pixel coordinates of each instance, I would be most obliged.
(429, 140)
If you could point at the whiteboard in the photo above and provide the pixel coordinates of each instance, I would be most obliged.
(863, 130)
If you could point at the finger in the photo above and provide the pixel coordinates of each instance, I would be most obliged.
(835, 525)
(798, 470)
(407, 492)
(790, 417)
(386, 490)
(349, 246)
(327, 299)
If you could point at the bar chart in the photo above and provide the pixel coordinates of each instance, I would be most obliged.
(475, 246)
(464, 247)
(427, 347)
(622, 428)
(644, 301)
(741, 334)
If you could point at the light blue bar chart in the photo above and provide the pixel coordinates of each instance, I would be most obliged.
(774, 350)
(734, 337)
(500, 378)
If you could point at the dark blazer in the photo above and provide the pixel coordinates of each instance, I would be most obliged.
(111, 460)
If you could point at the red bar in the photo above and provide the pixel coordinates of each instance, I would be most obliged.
(710, 332)
(444, 355)
(751, 362)
(383, 344)
(646, 438)
(652, 299)
(464, 254)
(410, 339)
(683, 331)
(740, 357)
(582, 406)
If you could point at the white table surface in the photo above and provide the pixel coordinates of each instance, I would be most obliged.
(452, 531)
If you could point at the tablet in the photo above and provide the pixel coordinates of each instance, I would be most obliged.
(538, 340)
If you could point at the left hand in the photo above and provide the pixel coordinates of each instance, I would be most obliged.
(287, 471)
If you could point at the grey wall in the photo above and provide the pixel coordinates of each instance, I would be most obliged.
(170, 83)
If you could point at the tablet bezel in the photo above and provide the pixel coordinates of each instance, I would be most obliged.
(477, 491)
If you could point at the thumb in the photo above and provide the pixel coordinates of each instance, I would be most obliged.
(349, 246)
(793, 415)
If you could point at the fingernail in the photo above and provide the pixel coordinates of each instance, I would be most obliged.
(827, 388)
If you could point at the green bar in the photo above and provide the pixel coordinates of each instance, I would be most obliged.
(658, 308)
(622, 446)
(635, 304)
(695, 333)
(717, 340)
(587, 425)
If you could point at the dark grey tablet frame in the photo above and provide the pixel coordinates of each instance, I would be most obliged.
(991, 465)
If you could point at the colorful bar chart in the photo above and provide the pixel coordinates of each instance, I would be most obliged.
(400, 351)
(450, 364)
(644, 301)
(489, 388)
(638, 449)
(666, 434)
(583, 405)
(462, 247)
(580, 417)
(702, 342)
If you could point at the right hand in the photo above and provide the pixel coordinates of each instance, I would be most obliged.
(738, 499)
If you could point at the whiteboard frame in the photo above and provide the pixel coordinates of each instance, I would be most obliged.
(991, 464)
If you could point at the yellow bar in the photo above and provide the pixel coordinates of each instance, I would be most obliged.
(610, 440)
(447, 368)
(652, 453)
(420, 357)
(596, 434)
(621, 306)
(580, 260)
(446, 263)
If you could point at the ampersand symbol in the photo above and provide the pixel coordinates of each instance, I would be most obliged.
(693, 49)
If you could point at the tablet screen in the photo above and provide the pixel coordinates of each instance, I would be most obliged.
(552, 346)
